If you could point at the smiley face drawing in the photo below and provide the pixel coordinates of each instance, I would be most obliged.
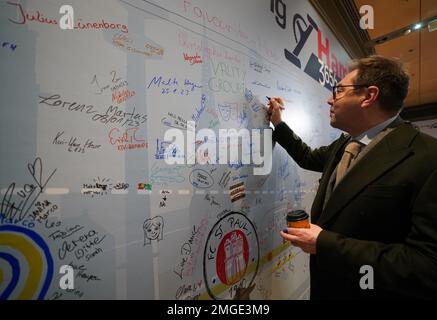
(153, 229)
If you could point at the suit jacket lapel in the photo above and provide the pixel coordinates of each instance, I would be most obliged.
(389, 152)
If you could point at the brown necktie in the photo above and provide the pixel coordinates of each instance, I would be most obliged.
(350, 154)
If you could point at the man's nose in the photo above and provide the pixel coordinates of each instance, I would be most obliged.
(331, 101)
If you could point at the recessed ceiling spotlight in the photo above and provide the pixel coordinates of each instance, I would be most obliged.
(417, 26)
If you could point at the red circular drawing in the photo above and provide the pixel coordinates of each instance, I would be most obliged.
(232, 257)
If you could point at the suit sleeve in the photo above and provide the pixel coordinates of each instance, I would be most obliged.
(408, 268)
(304, 156)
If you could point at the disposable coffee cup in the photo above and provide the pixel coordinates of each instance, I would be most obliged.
(298, 219)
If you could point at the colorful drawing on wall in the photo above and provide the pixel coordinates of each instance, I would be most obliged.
(28, 256)
(231, 257)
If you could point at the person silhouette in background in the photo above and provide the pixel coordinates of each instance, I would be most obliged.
(376, 204)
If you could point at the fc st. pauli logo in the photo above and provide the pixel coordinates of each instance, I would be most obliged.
(231, 256)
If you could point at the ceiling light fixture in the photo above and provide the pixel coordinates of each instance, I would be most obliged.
(431, 23)
(417, 26)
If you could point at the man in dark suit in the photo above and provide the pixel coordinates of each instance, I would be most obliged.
(374, 218)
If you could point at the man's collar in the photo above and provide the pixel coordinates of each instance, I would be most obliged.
(367, 136)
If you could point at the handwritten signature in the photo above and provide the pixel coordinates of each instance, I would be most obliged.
(28, 196)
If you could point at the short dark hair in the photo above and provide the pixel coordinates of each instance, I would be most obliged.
(389, 75)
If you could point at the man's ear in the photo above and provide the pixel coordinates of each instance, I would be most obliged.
(371, 96)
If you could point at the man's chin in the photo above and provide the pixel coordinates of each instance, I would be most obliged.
(332, 123)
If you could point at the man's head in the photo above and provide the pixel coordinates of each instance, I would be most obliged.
(373, 91)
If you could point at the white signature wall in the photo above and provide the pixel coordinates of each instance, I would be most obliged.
(84, 180)
(428, 126)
